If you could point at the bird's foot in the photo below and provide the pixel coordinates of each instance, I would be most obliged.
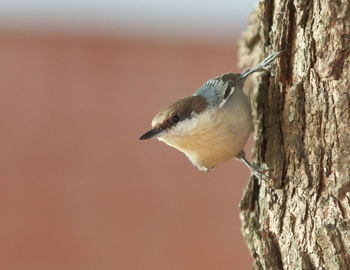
(262, 173)
(264, 65)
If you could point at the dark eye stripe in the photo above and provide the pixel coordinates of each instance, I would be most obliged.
(175, 118)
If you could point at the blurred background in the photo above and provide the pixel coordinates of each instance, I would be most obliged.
(79, 83)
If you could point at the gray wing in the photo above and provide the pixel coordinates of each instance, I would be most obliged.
(217, 90)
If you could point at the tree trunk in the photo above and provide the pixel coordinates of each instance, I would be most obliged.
(300, 217)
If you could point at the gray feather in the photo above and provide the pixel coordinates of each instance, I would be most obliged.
(217, 90)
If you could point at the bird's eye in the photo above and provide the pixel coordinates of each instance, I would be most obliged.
(175, 118)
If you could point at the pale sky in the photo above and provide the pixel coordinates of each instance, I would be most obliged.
(216, 18)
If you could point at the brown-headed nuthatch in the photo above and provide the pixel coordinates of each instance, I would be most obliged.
(212, 125)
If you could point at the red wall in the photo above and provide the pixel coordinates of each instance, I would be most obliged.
(78, 189)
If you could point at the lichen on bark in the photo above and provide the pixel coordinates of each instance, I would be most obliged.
(302, 132)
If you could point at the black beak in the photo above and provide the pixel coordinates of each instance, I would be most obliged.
(153, 132)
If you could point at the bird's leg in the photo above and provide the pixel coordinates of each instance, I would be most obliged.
(264, 65)
(256, 171)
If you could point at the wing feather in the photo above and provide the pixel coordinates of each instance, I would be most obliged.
(219, 89)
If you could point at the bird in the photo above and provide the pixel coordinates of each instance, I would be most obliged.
(213, 124)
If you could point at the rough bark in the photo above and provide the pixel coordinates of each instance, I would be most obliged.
(302, 129)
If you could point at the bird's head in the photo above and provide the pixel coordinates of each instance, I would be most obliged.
(175, 115)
